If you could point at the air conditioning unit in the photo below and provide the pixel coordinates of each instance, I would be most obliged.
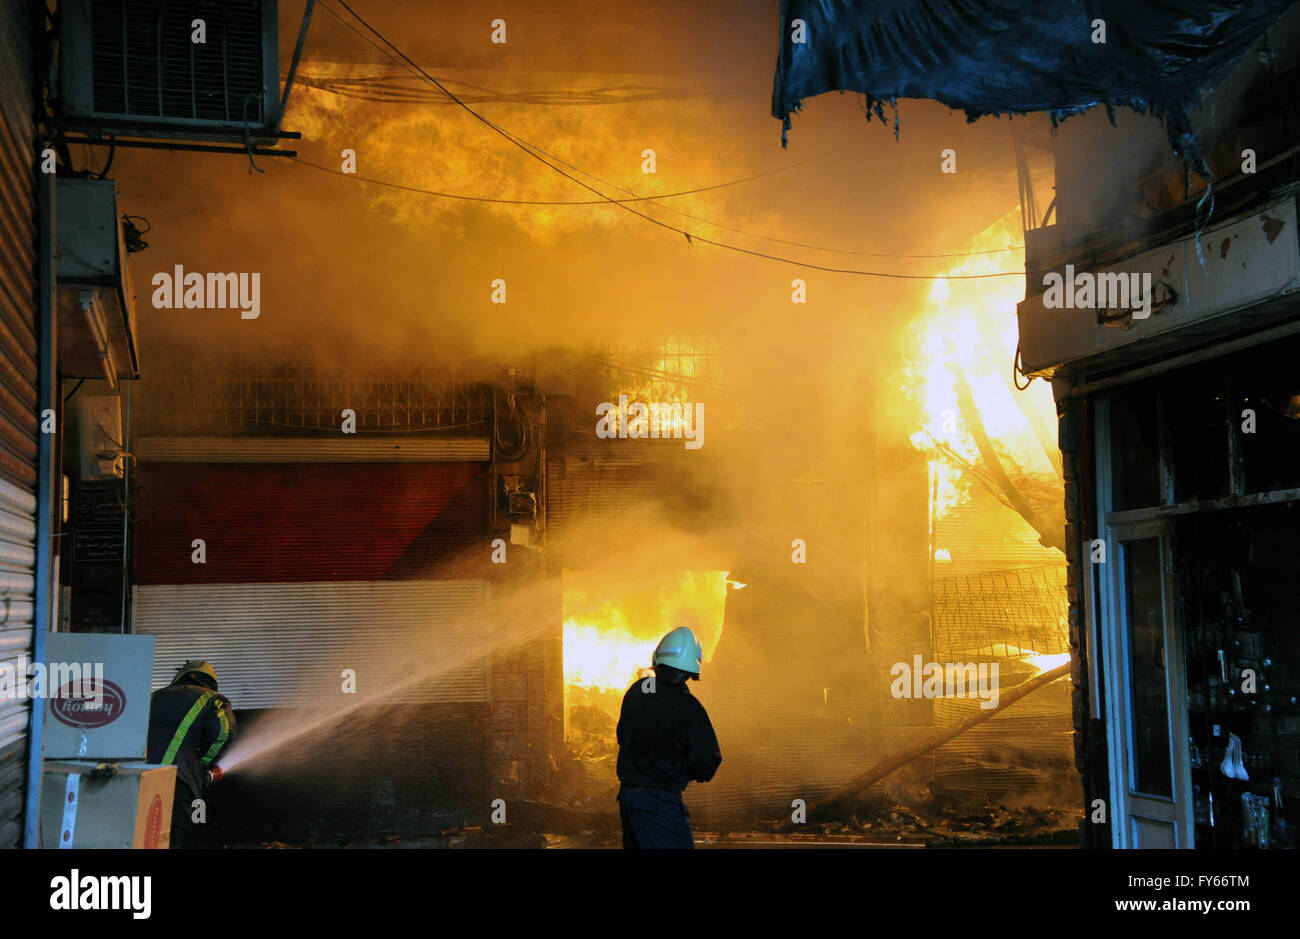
(95, 299)
(133, 67)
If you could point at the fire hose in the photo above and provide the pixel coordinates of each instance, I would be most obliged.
(845, 795)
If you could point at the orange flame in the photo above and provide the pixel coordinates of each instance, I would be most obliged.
(611, 629)
(971, 325)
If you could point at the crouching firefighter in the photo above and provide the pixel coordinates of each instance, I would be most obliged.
(665, 741)
(190, 725)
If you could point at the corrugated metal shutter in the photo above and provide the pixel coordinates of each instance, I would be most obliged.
(301, 522)
(18, 401)
(594, 509)
(281, 645)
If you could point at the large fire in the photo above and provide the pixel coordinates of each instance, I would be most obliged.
(1042, 662)
(681, 371)
(1045, 663)
(603, 656)
(968, 329)
(611, 627)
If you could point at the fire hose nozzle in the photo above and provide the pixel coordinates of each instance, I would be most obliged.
(215, 773)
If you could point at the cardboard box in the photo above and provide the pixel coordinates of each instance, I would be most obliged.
(103, 712)
(130, 809)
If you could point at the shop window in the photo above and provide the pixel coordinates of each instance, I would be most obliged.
(1196, 421)
(1266, 418)
(1150, 703)
(1239, 585)
(1135, 455)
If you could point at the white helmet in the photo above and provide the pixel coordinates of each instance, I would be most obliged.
(681, 650)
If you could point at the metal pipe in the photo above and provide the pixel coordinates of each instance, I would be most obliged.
(171, 145)
(293, 65)
(900, 758)
(46, 490)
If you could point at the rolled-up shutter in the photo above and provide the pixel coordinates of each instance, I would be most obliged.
(18, 404)
(285, 645)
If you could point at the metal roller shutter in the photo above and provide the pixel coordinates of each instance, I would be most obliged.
(283, 645)
(594, 510)
(313, 568)
(18, 403)
(299, 522)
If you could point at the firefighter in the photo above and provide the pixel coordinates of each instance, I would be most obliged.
(190, 725)
(665, 741)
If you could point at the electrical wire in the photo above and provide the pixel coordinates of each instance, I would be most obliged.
(557, 159)
(1017, 370)
(633, 197)
(121, 447)
(396, 89)
(133, 236)
(108, 164)
(500, 201)
(779, 241)
(691, 237)
(662, 375)
(504, 451)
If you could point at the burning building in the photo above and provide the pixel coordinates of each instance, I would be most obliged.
(1179, 430)
(509, 405)
(1157, 305)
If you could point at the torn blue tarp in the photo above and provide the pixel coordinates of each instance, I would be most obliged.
(1015, 56)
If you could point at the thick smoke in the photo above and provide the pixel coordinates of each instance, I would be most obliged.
(367, 277)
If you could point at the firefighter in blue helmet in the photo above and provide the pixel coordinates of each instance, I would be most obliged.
(665, 740)
(190, 725)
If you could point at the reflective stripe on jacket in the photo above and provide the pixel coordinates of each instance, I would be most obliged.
(189, 726)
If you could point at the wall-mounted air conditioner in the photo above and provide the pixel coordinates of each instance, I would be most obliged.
(133, 67)
(96, 308)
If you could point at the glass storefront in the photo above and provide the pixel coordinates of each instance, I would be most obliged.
(1199, 496)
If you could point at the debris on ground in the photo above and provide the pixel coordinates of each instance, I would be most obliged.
(951, 824)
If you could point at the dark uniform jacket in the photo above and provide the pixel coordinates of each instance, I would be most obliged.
(189, 726)
(665, 738)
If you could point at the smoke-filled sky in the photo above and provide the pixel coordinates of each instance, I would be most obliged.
(362, 274)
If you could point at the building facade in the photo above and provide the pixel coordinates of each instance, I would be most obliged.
(1179, 426)
(24, 451)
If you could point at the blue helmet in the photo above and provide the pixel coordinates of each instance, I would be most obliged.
(681, 650)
